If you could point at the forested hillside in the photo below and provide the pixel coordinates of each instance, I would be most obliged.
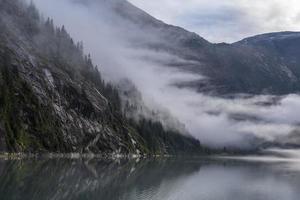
(53, 98)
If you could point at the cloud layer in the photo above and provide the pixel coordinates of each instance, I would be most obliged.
(215, 121)
(226, 20)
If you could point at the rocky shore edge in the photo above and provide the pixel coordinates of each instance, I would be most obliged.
(20, 156)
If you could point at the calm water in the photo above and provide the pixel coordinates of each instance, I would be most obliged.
(189, 179)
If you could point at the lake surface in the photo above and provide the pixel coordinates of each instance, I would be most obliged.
(168, 179)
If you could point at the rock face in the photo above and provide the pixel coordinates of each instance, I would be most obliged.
(53, 99)
(44, 108)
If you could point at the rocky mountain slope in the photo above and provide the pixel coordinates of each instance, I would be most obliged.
(53, 99)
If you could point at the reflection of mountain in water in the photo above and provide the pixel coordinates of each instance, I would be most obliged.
(170, 179)
(76, 179)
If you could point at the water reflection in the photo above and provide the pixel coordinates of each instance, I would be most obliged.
(189, 179)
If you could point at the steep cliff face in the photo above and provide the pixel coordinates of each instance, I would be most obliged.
(53, 99)
(46, 105)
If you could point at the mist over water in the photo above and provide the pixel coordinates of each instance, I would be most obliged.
(115, 46)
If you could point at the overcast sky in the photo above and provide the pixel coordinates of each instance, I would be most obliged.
(226, 20)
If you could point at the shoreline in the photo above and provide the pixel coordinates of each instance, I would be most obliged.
(20, 156)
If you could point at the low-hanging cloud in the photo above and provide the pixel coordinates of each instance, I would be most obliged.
(215, 121)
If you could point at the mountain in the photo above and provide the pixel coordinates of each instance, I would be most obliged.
(53, 98)
(264, 64)
(284, 46)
